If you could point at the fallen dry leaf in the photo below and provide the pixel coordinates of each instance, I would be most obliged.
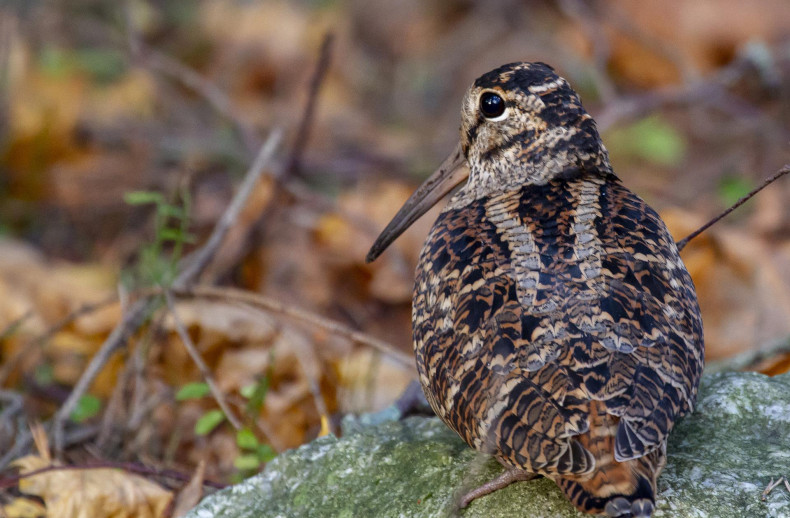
(191, 494)
(92, 492)
(774, 366)
(24, 508)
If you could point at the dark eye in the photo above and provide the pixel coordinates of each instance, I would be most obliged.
(492, 105)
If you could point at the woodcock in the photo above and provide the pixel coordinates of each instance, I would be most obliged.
(555, 325)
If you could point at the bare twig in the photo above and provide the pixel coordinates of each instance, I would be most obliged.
(129, 325)
(201, 365)
(303, 132)
(109, 421)
(141, 404)
(768, 181)
(13, 404)
(293, 164)
(140, 469)
(269, 305)
(247, 236)
(315, 386)
(200, 259)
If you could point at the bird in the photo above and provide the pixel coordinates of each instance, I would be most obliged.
(555, 325)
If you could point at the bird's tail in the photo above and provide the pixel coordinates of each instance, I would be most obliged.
(618, 489)
(637, 503)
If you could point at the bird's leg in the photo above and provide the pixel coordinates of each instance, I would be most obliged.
(503, 480)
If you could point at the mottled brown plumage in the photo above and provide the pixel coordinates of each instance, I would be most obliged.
(555, 325)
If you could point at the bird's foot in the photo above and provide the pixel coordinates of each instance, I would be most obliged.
(773, 484)
(503, 480)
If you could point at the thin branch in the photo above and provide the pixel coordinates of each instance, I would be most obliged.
(140, 403)
(129, 325)
(140, 469)
(219, 397)
(315, 388)
(294, 161)
(200, 259)
(305, 124)
(270, 305)
(13, 404)
(768, 181)
(108, 426)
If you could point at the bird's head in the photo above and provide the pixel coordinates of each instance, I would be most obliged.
(521, 124)
(524, 124)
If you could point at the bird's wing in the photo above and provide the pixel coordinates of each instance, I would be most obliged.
(652, 327)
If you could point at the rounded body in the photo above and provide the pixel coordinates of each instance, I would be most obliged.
(556, 327)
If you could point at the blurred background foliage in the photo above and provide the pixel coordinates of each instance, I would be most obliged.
(103, 101)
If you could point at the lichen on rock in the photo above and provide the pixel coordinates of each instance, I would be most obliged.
(719, 461)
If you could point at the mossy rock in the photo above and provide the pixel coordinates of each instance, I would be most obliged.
(720, 459)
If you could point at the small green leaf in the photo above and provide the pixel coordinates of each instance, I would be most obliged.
(44, 374)
(733, 188)
(266, 453)
(248, 390)
(651, 139)
(192, 391)
(104, 64)
(171, 211)
(175, 234)
(171, 234)
(246, 440)
(257, 396)
(143, 197)
(247, 462)
(208, 422)
(87, 407)
(55, 62)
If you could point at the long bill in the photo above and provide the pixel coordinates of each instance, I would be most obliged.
(450, 173)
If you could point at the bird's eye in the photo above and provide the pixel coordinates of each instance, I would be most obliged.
(492, 105)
